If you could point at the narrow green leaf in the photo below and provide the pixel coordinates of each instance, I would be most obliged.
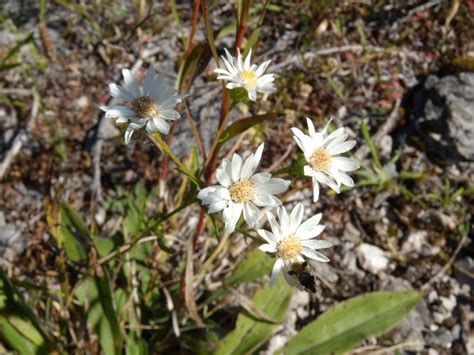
(252, 41)
(18, 46)
(69, 217)
(249, 333)
(242, 125)
(19, 327)
(350, 322)
(193, 65)
(372, 147)
(110, 332)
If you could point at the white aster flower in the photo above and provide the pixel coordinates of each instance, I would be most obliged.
(321, 152)
(241, 73)
(241, 190)
(151, 107)
(292, 241)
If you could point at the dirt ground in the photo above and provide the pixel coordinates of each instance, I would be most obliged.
(383, 64)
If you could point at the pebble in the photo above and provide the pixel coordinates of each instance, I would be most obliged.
(372, 258)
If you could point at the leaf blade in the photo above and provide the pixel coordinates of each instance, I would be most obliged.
(351, 321)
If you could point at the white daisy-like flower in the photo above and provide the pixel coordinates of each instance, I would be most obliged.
(321, 152)
(292, 241)
(241, 190)
(241, 73)
(151, 107)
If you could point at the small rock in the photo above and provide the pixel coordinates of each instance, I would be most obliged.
(414, 243)
(372, 258)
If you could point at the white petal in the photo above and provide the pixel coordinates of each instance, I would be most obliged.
(267, 248)
(344, 179)
(251, 214)
(308, 226)
(149, 80)
(261, 69)
(317, 230)
(231, 216)
(338, 132)
(274, 225)
(296, 217)
(247, 60)
(150, 127)
(341, 148)
(284, 220)
(120, 92)
(260, 178)
(130, 83)
(169, 114)
(223, 72)
(117, 111)
(273, 186)
(161, 125)
(345, 164)
(236, 167)
(252, 94)
(316, 244)
(128, 134)
(121, 120)
(222, 177)
(311, 129)
(266, 89)
(269, 237)
(313, 254)
(307, 144)
(240, 63)
(315, 190)
(275, 271)
(265, 200)
(218, 206)
(257, 156)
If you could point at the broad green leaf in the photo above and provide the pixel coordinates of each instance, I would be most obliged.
(242, 125)
(104, 245)
(135, 345)
(254, 266)
(249, 333)
(350, 322)
(74, 248)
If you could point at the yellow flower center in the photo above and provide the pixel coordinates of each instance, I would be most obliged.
(249, 79)
(241, 191)
(144, 106)
(320, 160)
(289, 248)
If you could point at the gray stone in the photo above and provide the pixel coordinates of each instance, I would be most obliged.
(443, 115)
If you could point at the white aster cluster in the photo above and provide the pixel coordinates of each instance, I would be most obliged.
(240, 189)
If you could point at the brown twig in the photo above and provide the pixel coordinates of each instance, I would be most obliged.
(20, 138)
